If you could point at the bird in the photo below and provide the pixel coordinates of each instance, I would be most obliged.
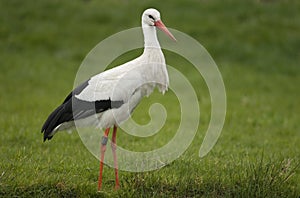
(108, 99)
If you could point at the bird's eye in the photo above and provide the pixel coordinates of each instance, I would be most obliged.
(151, 17)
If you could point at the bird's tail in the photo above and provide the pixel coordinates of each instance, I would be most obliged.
(52, 122)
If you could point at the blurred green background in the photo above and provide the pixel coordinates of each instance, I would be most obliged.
(256, 45)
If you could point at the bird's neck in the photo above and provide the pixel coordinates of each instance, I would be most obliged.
(150, 37)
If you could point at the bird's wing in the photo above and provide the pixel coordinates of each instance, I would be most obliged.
(73, 108)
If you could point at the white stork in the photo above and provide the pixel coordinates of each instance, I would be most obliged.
(108, 98)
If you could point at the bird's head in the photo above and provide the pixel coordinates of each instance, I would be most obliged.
(151, 17)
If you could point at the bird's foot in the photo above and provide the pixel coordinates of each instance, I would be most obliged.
(117, 187)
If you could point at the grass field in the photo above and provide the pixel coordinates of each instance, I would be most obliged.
(256, 45)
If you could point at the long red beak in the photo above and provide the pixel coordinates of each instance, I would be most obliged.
(162, 26)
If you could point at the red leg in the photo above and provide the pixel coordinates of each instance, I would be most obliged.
(102, 151)
(114, 147)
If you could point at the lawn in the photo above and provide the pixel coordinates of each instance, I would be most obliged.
(256, 45)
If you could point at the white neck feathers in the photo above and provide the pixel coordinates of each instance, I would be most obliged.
(150, 37)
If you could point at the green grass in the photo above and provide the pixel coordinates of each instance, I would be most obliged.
(256, 45)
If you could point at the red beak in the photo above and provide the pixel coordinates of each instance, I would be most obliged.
(162, 26)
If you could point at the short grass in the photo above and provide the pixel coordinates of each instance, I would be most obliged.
(256, 45)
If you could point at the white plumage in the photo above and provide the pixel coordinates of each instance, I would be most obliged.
(120, 82)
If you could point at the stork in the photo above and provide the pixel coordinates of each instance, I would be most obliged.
(108, 98)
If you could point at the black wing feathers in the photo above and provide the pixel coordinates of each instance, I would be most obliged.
(73, 108)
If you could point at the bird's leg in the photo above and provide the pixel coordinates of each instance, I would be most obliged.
(102, 151)
(114, 147)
